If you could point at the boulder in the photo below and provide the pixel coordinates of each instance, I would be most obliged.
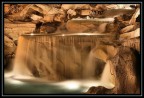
(99, 90)
(84, 25)
(9, 46)
(132, 34)
(104, 52)
(127, 73)
(15, 29)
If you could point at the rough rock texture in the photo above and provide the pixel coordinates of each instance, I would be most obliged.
(15, 29)
(76, 26)
(132, 34)
(133, 43)
(9, 50)
(104, 52)
(127, 61)
(99, 90)
(127, 74)
(128, 70)
(9, 46)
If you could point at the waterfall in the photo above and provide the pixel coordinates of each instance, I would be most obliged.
(59, 57)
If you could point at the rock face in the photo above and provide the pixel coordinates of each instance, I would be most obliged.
(99, 90)
(9, 46)
(133, 43)
(9, 50)
(81, 26)
(127, 74)
(16, 29)
(104, 53)
(127, 71)
(132, 34)
(12, 30)
(126, 62)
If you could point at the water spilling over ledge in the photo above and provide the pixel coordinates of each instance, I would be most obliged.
(58, 57)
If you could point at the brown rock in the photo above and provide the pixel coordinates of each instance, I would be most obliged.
(14, 30)
(102, 28)
(104, 52)
(127, 74)
(51, 13)
(37, 11)
(127, 29)
(6, 8)
(55, 5)
(135, 15)
(99, 90)
(60, 17)
(48, 18)
(86, 12)
(75, 6)
(132, 34)
(9, 46)
(112, 13)
(127, 71)
(35, 17)
(132, 43)
(47, 29)
(71, 12)
(83, 25)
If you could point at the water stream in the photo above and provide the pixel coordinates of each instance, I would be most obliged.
(60, 57)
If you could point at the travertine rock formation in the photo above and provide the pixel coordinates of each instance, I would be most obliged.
(119, 20)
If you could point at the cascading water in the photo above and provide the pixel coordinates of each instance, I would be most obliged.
(65, 61)
(58, 57)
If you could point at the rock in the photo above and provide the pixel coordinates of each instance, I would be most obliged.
(111, 51)
(102, 27)
(132, 43)
(14, 30)
(135, 15)
(81, 26)
(127, 73)
(99, 90)
(9, 46)
(13, 8)
(75, 6)
(132, 34)
(19, 15)
(130, 28)
(110, 28)
(51, 13)
(62, 28)
(127, 29)
(100, 7)
(100, 54)
(55, 5)
(35, 17)
(8, 63)
(71, 12)
(48, 18)
(47, 10)
(60, 17)
(39, 12)
(127, 63)
(113, 13)
(86, 12)
(104, 52)
(47, 29)
(6, 8)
